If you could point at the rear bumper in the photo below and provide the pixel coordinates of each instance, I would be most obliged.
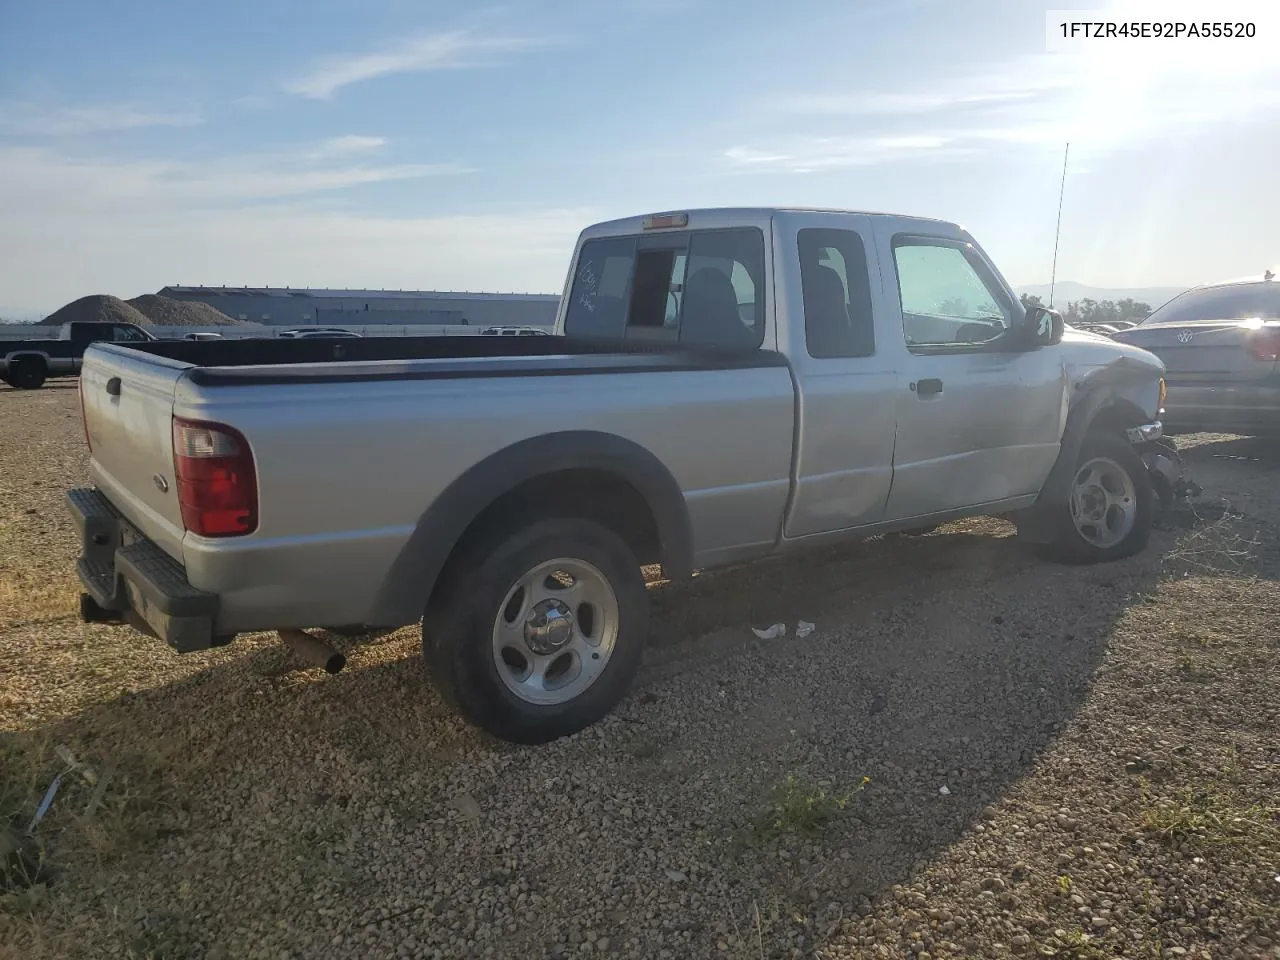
(1225, 407)
(130, 579)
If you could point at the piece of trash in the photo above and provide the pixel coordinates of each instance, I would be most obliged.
(944, 790)
(771, 633)
(804, 628)
(87, 772)
(47, 802)
(878, 703)
(676, 876)
(96, 797)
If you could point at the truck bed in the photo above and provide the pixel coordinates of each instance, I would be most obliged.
(249, 361)
(353, 440)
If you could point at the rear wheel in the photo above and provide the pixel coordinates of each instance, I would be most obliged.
(1109, 508)
(538, 635)
(26, 374)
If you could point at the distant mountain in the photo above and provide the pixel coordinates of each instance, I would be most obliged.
(1068, 291)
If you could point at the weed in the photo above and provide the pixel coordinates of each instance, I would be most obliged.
(800, 807)
(1211, 818)
(1072, 945)
(1192, 672)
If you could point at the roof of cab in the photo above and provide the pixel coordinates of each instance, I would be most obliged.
(734, 215)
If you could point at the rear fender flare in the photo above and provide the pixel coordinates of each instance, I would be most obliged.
(20, 355)
(417, 568)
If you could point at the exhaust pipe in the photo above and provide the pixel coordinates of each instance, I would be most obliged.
(314, 651)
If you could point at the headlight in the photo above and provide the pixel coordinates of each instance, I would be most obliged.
(1160, 405)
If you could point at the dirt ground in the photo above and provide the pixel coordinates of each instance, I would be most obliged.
(977, 754)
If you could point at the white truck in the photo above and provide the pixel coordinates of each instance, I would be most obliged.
(722, 385)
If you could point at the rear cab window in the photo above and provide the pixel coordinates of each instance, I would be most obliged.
(703, 287)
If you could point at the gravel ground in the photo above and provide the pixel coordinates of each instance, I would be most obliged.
(976, 754)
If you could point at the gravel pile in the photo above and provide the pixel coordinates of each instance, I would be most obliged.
(166, 311)
(98, 307)
(975, 755)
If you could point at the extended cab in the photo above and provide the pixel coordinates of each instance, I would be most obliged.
(26, 364)
(722, 385)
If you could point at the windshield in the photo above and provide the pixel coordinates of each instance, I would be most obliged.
(1234, 301)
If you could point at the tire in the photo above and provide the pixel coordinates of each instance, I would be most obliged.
(501, 616)
(1110, 505)
(26, 374)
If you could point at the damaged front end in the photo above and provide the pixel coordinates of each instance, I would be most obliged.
(1164, 464)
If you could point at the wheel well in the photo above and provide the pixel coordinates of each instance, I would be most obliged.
(27, 358)
(1117, 417)
(584, 493)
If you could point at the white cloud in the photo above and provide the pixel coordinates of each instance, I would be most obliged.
(897, 104)
(817, 154)
(27, 119)
(452, 50)
(350, 144)
(34, 180)
(74, 227)
(1100, 103)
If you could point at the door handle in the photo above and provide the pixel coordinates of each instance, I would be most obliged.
(113, 386)
(927, 388)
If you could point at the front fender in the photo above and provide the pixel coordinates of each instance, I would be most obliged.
(1115, 397)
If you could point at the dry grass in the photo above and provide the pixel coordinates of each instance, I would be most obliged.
(253, 807)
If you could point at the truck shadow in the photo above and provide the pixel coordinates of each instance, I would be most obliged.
(947, 660)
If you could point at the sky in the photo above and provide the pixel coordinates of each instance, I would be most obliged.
(412, 144)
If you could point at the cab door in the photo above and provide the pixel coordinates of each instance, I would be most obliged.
(846, 373)
(979, 413)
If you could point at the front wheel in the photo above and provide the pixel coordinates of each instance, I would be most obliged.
(1109, 506)
(539, 635)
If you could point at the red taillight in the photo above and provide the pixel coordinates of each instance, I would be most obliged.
(1265, 344)
(217, 485)
(84, 420)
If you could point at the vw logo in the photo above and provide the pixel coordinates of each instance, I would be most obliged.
(1186, 336)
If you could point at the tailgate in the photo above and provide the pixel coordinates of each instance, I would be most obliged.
(128, 411)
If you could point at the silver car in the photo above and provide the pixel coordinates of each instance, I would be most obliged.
(1220, 345)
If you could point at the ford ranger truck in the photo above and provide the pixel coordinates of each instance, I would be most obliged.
(722, 385)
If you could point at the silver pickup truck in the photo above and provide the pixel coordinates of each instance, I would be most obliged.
(721, 385)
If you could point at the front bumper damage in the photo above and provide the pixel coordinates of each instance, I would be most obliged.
(1164, 463)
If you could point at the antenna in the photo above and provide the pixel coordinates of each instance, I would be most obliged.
(1062, 189)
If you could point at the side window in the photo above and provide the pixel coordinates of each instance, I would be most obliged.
(947, 298)
(598, 296)
(722, 294)
(125, 335)
(837, 294)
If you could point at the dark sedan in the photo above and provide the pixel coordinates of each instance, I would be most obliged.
(1221, 348)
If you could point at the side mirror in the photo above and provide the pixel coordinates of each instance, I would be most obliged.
(1044, 327)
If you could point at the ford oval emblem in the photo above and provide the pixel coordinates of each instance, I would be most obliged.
(161, 483)
(1186, 336)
